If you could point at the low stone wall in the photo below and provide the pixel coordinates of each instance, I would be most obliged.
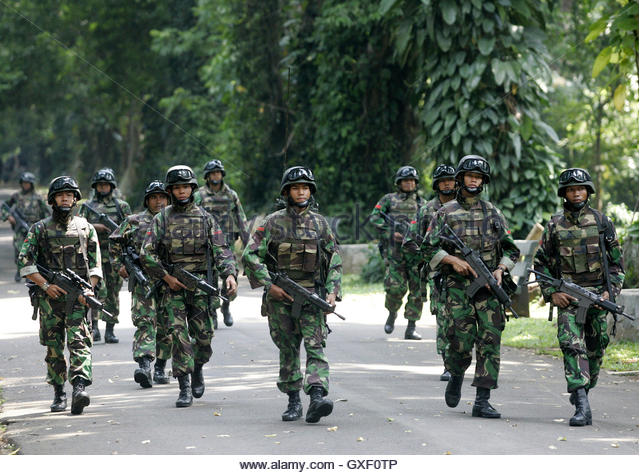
(626, 329)
(355, 256)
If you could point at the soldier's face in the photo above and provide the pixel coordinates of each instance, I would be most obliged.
(576, 194)
(104, 188)
(446, 184)
(299, 192)
(26, 186)
(214, 176)
(407, 185)
(64, 199)
(156, 202)
(472, 179)
(181, 192)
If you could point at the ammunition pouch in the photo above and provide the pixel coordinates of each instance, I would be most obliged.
(508, 285)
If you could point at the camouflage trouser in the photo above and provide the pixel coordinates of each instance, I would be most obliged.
(55, 325)
(287, 333)
(397, 275)
(151, 337)
(190, 329)
(583, 346)
(478, 321)
(437, 309)
(109, 292)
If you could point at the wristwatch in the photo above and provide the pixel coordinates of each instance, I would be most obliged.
(44, 286)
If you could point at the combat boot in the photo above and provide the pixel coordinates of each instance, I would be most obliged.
(319, 406)
(96, 331)
(215, 319)
(79, 398)
(481, 406)
(410, 333)
(142, 375)
(185, 399)
(159, 377)
(391, 319)
(582, 417)
(59, 399)
(294, 408)
(197, 382)
(109, 336)
(445, 376)
(572, 400)
(453, 392)
(226, 314)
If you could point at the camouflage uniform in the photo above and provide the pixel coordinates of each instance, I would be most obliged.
(117, 210)
(570, 250)
(296, 244)
(437, 308)
(58, 246)
(399, 273)
(32, 207)
(178, 235)
(151, 338)
(225, 206)
(479, 320)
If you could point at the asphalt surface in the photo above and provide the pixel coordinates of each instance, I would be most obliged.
(387, 394)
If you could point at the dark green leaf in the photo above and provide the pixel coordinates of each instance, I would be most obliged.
(449, 10)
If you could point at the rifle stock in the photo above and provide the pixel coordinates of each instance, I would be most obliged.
(301, 295)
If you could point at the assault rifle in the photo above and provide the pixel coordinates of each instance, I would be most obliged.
(301, 295)
(21, 223)
(131, 261)
(584, 298)
(102, 218)
(191, 281)
(402, 227)
(485, 277)
(74, 285)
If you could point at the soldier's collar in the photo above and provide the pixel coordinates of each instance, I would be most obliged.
(468, 200)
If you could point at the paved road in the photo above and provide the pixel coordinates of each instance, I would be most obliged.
(388, 397)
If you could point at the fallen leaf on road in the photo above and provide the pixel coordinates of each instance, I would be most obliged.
(146, 441)
(271, 435)
(49, 428)
(615, 445)
(190, 447)
(277, 442)
(216, 413)
(564, 439)
(389, 419)
(447, 453)
(360, 439)
(12, 291)
(341, 400)
(558, 420)
(553, 447)
(408, 430)
(332, 429)
(223, 435)
(110, 380)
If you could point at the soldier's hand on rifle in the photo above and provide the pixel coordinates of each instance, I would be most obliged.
(562, 300)
(398, 237)
(12, 220)
(331, 298)
(277, 293)
(54, 291)
(83, 300)
(173, 283)
(497, 274)
(123, 272)
(459, 265)
(101, 228)
(605, 296)
(231, 286)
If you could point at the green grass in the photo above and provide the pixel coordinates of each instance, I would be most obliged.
(540, 335)
(353, 284)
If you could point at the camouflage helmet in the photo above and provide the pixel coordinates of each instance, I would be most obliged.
(180, 175)
(63, 183)
(156, 186)
(406, 173)
(27, 177)
(297, 174)
(474, 163)
(440, 173)
(575, 177)
(104, 175)
(212, 166)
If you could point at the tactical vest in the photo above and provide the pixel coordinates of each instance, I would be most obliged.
(479, 227)
(578, 248)
(221, 206)
(29, 205)
(296, 253)
(63, 248)
(143, 222)
(111, 209)
(404, 210)
(428, 212)
(185, 236)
